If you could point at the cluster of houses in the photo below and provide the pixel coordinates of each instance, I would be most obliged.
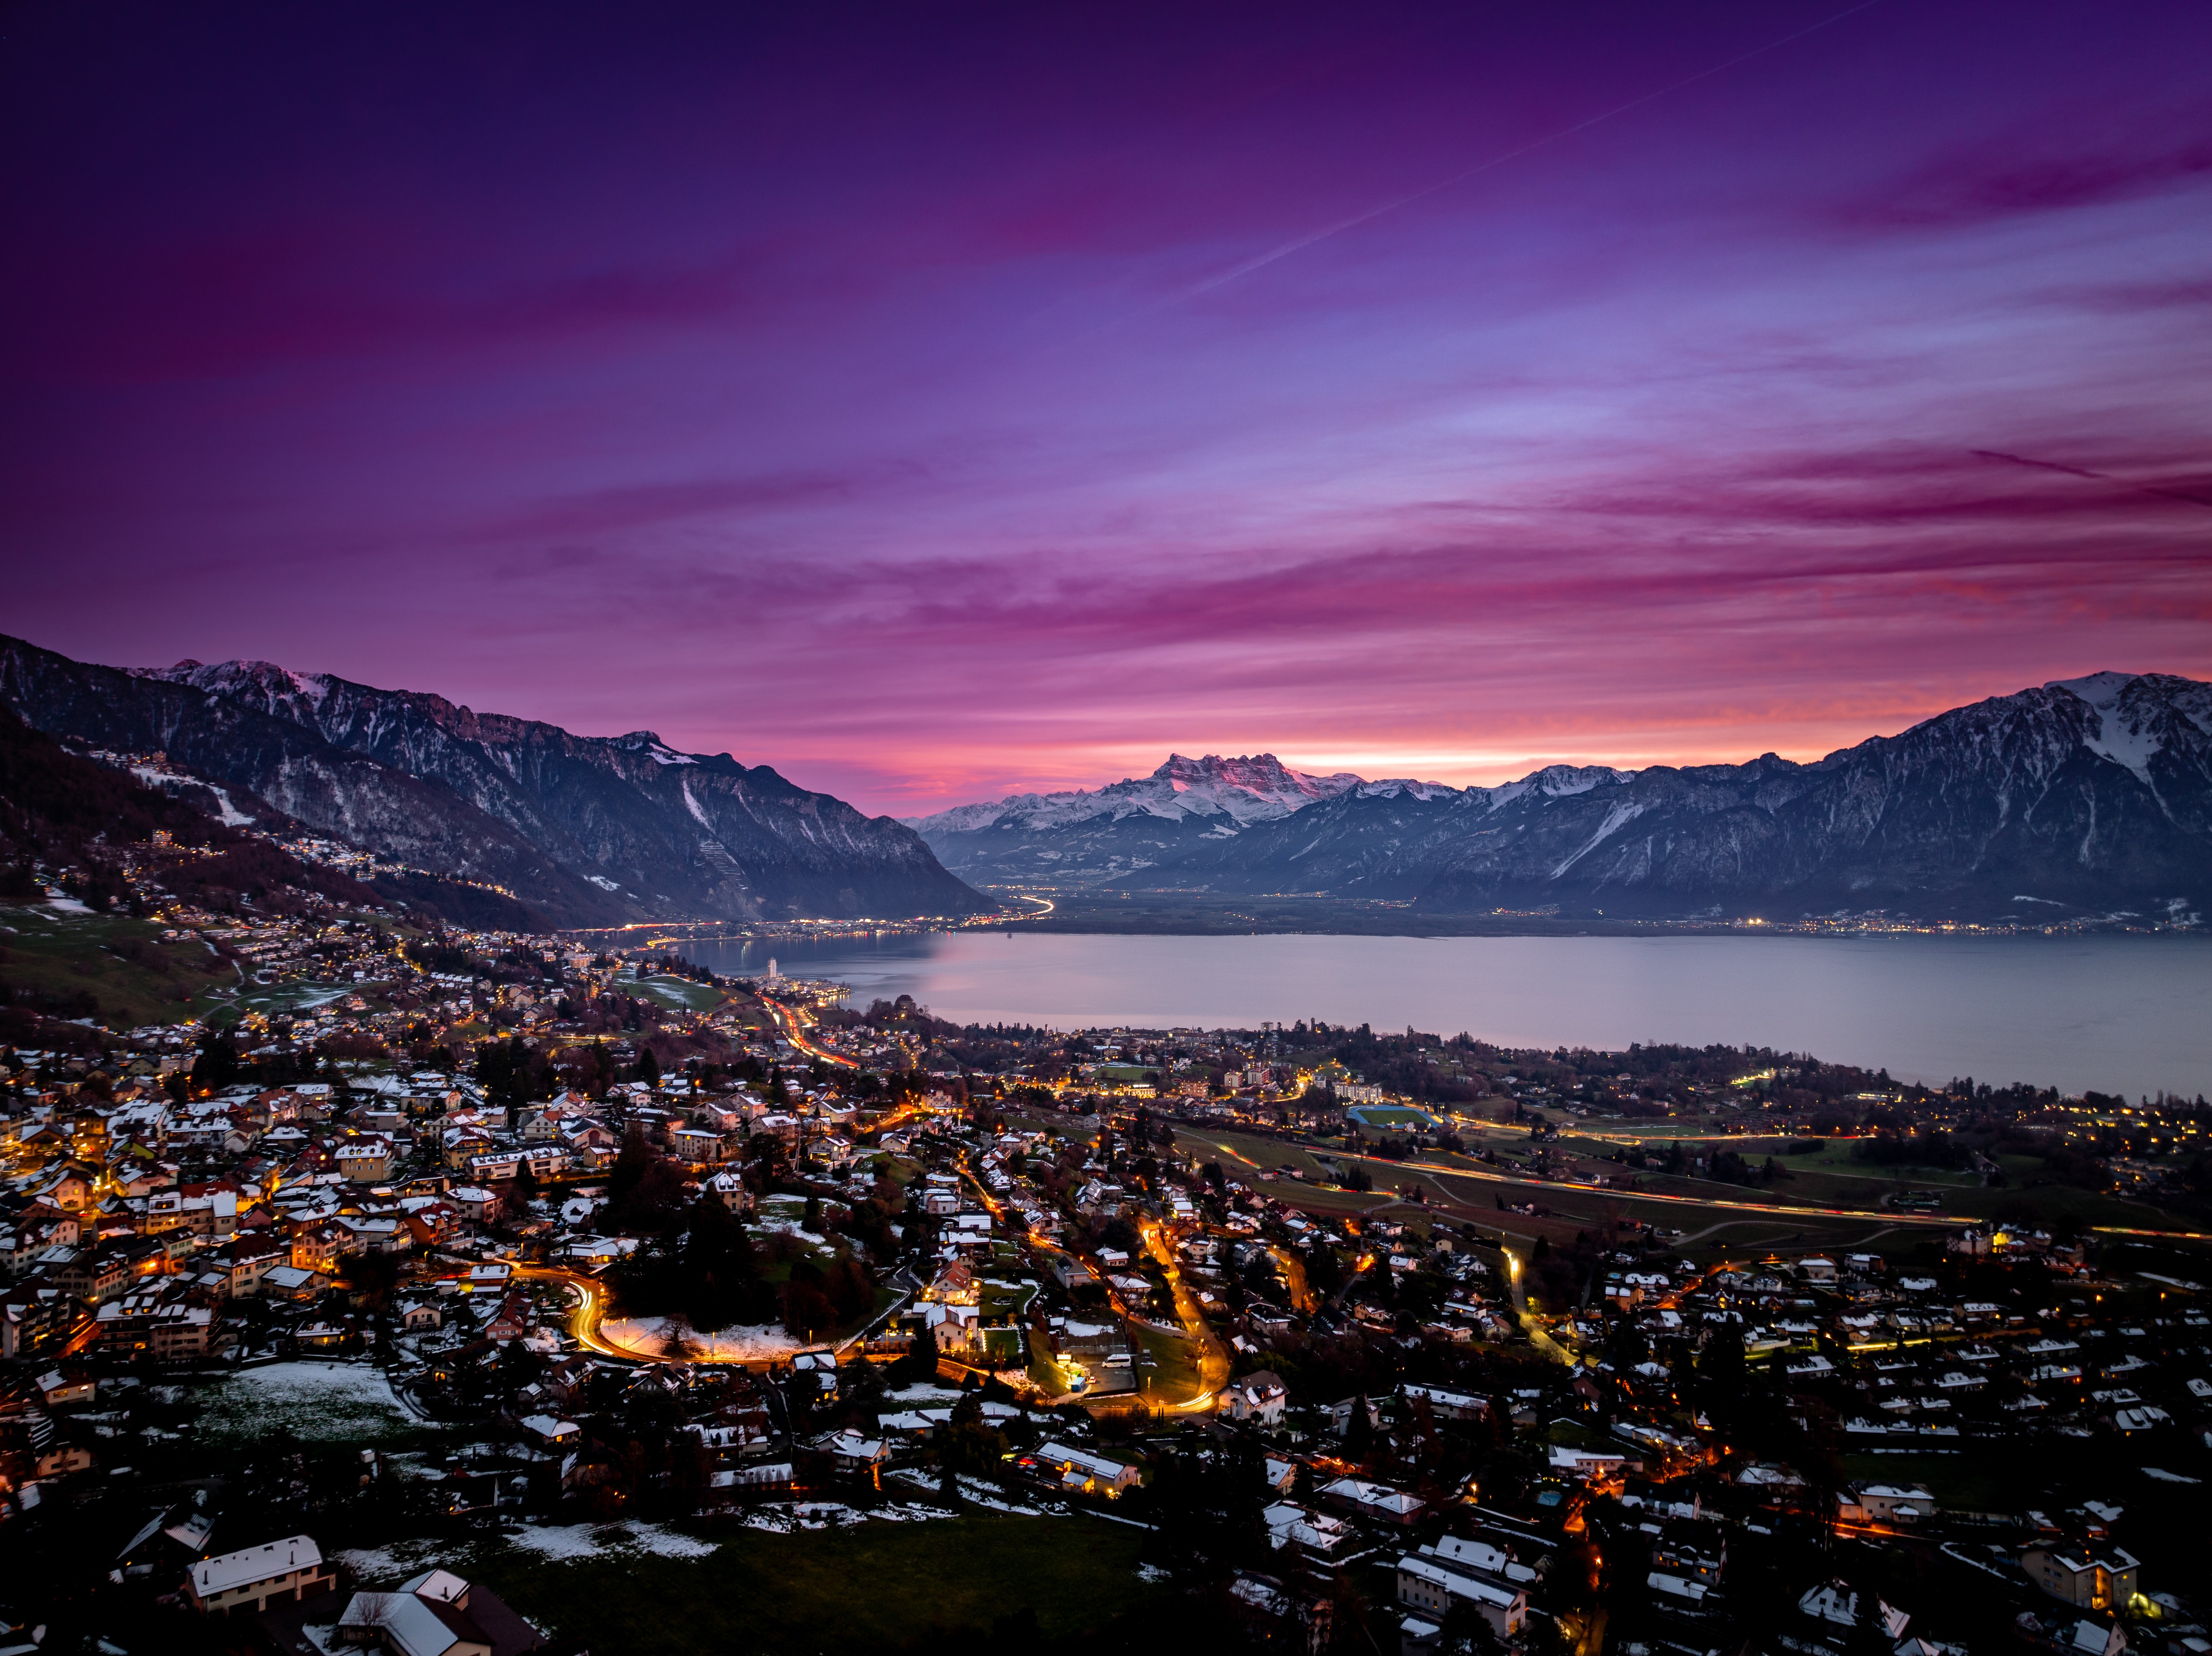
(1066, 1284)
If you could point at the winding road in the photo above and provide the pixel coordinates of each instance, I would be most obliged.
(795, 1034)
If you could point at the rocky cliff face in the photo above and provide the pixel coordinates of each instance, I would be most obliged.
(2092, 795)
(591, 830)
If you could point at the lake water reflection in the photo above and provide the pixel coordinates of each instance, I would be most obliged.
(2126, 1014)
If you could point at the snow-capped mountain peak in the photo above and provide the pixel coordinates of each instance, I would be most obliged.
(1555, 782)
(1248, 788)
(267, 681)
(649, 744)
(2099, 690)
(2137, 715)
(1260, 777)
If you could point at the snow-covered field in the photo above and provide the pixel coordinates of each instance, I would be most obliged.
(925, 1397)
(315, 1402)
(785, 1216)
(979, 1493)
(385, 1566)
(830, 1516)
(662, 1335)
(598, 1540)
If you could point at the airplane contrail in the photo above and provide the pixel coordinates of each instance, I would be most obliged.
(1261, 261)
(2093, 476)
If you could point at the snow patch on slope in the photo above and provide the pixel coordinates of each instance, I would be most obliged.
(2099, 690)
(1614, 819)
(228, 814)
(231, 816)
(698, 815)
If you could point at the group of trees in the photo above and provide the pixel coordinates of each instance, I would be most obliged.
(704, 1264)
(1895, 1146)
(708, 1269)
(515, 1071)
(219, 1062)
(645, 1189)
(512, 1072)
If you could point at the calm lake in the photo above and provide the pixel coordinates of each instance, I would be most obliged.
(2118, 1014)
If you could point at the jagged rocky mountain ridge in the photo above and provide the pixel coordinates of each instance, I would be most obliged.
(1185, 813)
(2089, 795)
(587, 830)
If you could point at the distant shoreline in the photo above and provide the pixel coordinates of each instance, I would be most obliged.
(1197, 914)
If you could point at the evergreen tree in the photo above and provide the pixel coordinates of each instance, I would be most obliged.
(216, 1066)
(1360, 1432)
(721, 1275)
(919, 1365)
(1721, 1371)
(807, 1313)
(1467, 1632)
(1206, 1510)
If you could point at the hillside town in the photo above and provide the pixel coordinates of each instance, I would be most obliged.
(471, 1236)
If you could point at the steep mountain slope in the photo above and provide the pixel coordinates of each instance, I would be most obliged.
(81, 821)
(294, 770)
(591, 830)
(2092, 795)
(2024, 805)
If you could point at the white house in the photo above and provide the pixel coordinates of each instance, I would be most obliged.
(1258, 1397)
(1427, 1583)
(281, 1571)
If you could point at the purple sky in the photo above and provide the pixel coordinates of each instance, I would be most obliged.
(952, 398)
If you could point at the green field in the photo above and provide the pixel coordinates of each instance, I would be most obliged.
(1835, 1158)
(1176, 1376)
(51, 951)
(995, 1302)
(268, 998)
(1643, 1130)
(1389, 1115)
(1786, 1219)
(677, 994)
(876, 1586)
(1475, 1198)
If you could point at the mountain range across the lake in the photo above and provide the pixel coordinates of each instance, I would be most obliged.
(2088, 797)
